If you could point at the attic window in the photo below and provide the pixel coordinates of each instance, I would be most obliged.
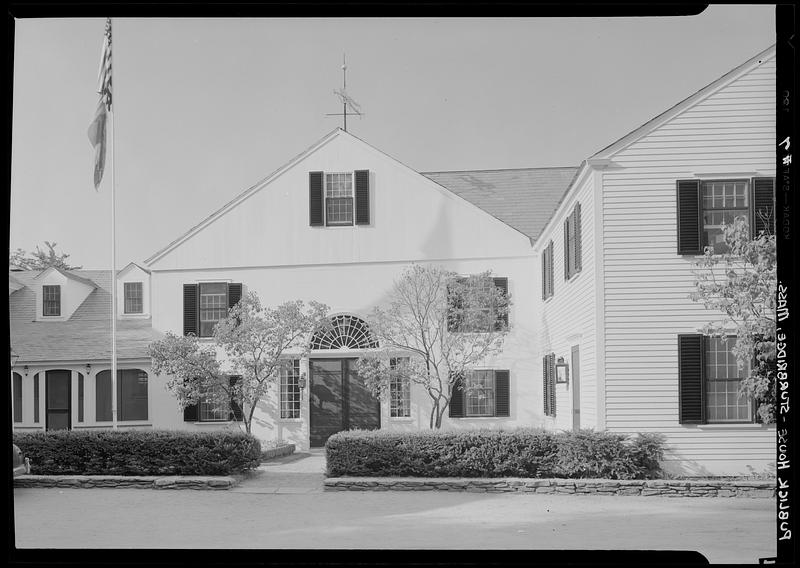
(133, 298)
(339, 199)
(51, 300)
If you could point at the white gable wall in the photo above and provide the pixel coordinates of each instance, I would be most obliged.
(730, 133)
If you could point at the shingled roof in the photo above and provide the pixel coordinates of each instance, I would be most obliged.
(86, 336)
(522, 198)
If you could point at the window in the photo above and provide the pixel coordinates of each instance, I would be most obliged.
(723, 378)
(214, 412)
(131, 395)
(133, 298)
(549, 384)
(17, 397)
(213, 306)
(399, 390)
(723, 201)
(481, 393)
(338, 199)
(547, 271)
(703, 207)
(344, 332)
(465, 319)
(51, 297)
(572, 243)
(290, 391)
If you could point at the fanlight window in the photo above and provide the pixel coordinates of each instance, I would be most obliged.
(345, 332)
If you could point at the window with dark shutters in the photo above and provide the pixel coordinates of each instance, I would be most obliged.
(196, 308)
(690, 379)
(456, 305)
(315, 199)
(497, 389)
(362, 197)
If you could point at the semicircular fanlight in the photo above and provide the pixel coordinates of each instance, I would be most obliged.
(345, 332)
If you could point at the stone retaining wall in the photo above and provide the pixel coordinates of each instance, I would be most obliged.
(278, 452)
(119, 481)
(660, 487)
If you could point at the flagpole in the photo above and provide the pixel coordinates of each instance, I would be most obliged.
(112, 116)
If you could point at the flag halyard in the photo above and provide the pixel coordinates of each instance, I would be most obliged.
(97, 129)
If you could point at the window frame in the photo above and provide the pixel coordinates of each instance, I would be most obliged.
(750, 403)
(50, 288)
(352, 197)
(747, 211)
(290, 403)
(454, 326)
(399, 391)
(100, 404)
(468, 378)
(131, 285)
(200, 308)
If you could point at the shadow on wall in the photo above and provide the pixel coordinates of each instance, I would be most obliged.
(439, 242)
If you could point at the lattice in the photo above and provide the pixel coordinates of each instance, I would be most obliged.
(346, 332)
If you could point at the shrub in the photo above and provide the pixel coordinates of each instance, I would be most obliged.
(524, 452)
(127, 452)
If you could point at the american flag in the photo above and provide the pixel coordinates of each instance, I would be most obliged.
(97, 129)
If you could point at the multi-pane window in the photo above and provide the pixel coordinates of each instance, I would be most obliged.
(399, 391)
(723, 201)
(290, 391)
(723, 378)
(339, 199)
(51, 298)
(131, 395)
(133, 298)
(213, 306)
(480, 393)
(211, 411)
(477, 309)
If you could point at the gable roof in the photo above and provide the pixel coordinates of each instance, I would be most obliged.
(68, 274)
(524, 198)
(675, 110)
(86, 336)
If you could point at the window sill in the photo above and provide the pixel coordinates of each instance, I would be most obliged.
(134, 316)
(731, 425)
(213, 422)
(401, 419)
(290, 420)
(481, 417)
(109, 424)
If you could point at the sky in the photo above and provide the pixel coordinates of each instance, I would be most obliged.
(205, 108)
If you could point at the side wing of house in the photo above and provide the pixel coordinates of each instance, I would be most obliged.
(567, 324)
(720, 145)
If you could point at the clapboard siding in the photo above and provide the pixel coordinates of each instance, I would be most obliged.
(647, 283)
(568, 317)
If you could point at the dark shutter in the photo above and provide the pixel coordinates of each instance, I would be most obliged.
(576, 223)
(566, 249)
(545, 387)
(501, 393)
(190, 413)
(690, 223)
(454, 305)
(362, 197)
(763, 206)
(545, 279)
(234, 294)
(502, 284)
(551, 368)
(551, 279)
(457, 399)
(315, 200)
(690, 379)
(190, 316)
(236, 408)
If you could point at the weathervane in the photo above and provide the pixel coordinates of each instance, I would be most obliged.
(347, 101)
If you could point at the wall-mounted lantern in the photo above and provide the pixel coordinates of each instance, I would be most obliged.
(301, 382)
(88, 369)
(562, 371)
(25, 370)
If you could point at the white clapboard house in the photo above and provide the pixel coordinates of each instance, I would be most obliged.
(596, 258)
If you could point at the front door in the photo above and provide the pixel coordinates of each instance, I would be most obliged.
(339, 400)
(58, 394)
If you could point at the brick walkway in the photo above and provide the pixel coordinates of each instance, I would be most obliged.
(300, 472)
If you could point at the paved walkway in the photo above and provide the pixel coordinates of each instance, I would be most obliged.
(300, 472)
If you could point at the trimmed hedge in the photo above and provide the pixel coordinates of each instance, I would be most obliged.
(524, 452)
(129, 452)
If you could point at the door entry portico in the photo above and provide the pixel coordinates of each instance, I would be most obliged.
(339, 400)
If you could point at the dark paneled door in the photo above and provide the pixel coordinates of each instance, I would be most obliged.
(339, 400)
(58, 396)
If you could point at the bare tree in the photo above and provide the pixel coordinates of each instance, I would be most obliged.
(39, 259)
(443, 324)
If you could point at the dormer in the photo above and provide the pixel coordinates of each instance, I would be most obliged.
(14, 285)
(133, 292)
(59, 293)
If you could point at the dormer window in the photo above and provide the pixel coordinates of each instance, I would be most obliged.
(134, 303)
(51, 300)
(339, 199)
